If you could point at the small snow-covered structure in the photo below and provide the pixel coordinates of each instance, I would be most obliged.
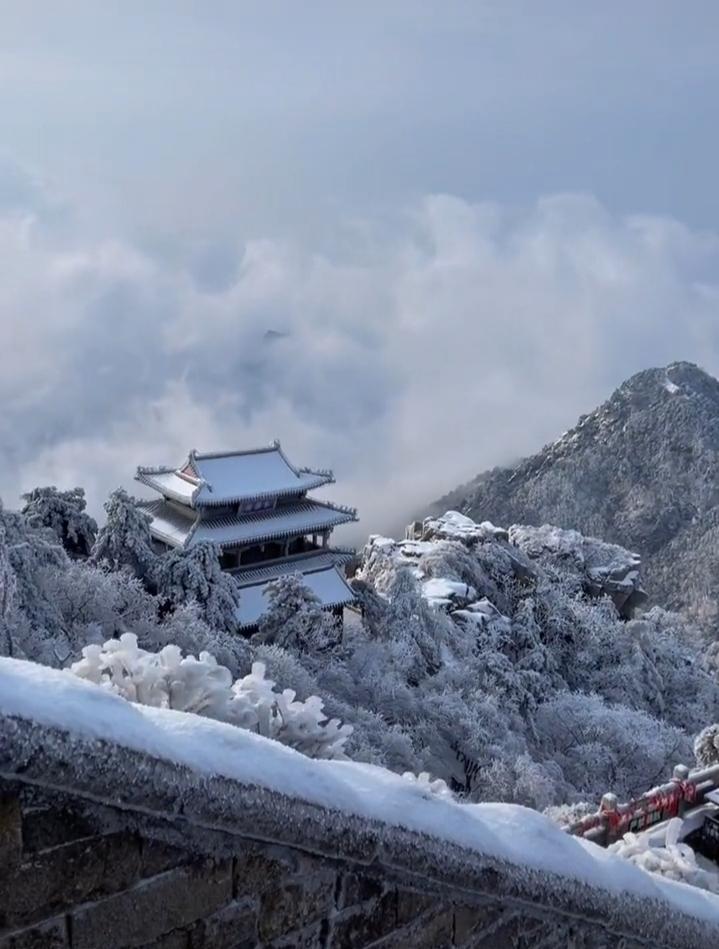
(254, 505)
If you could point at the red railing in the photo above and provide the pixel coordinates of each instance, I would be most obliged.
(612, 820)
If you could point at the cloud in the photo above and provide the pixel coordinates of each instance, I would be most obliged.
(419, 352)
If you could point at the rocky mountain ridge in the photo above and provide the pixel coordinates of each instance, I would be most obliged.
(641, 471)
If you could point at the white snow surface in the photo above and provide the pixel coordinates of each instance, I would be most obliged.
(594, 555)
(455, 526)
(523, 837)
(671, 858)
(440, 591)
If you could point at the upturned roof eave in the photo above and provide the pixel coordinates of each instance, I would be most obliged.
(146, 477)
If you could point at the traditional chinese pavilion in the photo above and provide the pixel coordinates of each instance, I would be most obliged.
(254, 505)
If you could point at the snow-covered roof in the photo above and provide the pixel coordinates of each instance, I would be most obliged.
(216, 478)
(87, 742)
(309, 560)
(181, 527)
(327, 584)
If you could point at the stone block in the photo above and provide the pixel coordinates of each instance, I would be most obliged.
(254, 872)
(293, 905)
(468, 919)
(177, 939)
(45, 827)
(359, 888)
(509, 931)
(411, 904)
(431, 931)
(157, 856)
(358, 927)
(10, 832)
(231, 926)
(153, 907)
(50, 934)
(52, 880)
(311, 937)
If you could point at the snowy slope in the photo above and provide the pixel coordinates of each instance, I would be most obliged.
(514, 834)
(640, 471)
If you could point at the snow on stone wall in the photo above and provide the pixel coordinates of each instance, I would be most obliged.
(57, 729)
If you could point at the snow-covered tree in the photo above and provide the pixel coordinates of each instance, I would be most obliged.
(204, 687)
(94, 603)
(64, 513)
(186, 628)
(409, 627)
(124, 540)
(602, 748)
(34, 628)
(195, 575)
(294, 618)
(706, 746)
(8, 596)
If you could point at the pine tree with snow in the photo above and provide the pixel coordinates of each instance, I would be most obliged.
(64, 513)
(32, 552)
(195, 575)
(125, 540)
(294, 618)
(409, 624)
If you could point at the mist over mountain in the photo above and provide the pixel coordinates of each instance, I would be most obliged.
(641, 470)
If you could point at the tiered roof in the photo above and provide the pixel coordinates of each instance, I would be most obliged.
(208, 479)
(247, 498)
(180, 527)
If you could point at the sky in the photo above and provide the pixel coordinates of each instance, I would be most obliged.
(411, 240)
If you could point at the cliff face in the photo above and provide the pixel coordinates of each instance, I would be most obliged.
(642, 471)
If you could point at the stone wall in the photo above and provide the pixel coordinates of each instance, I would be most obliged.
(70, 878)
(104, 848)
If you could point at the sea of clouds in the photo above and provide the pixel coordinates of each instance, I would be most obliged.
(431, 342)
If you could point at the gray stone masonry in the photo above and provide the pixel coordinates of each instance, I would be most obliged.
(104, 848)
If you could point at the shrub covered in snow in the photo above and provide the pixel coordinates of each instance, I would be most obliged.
(167, 679)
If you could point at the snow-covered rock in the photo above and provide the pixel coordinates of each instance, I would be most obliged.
(605, 568)
(438, 591)
(601, 568)
(455, 526)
